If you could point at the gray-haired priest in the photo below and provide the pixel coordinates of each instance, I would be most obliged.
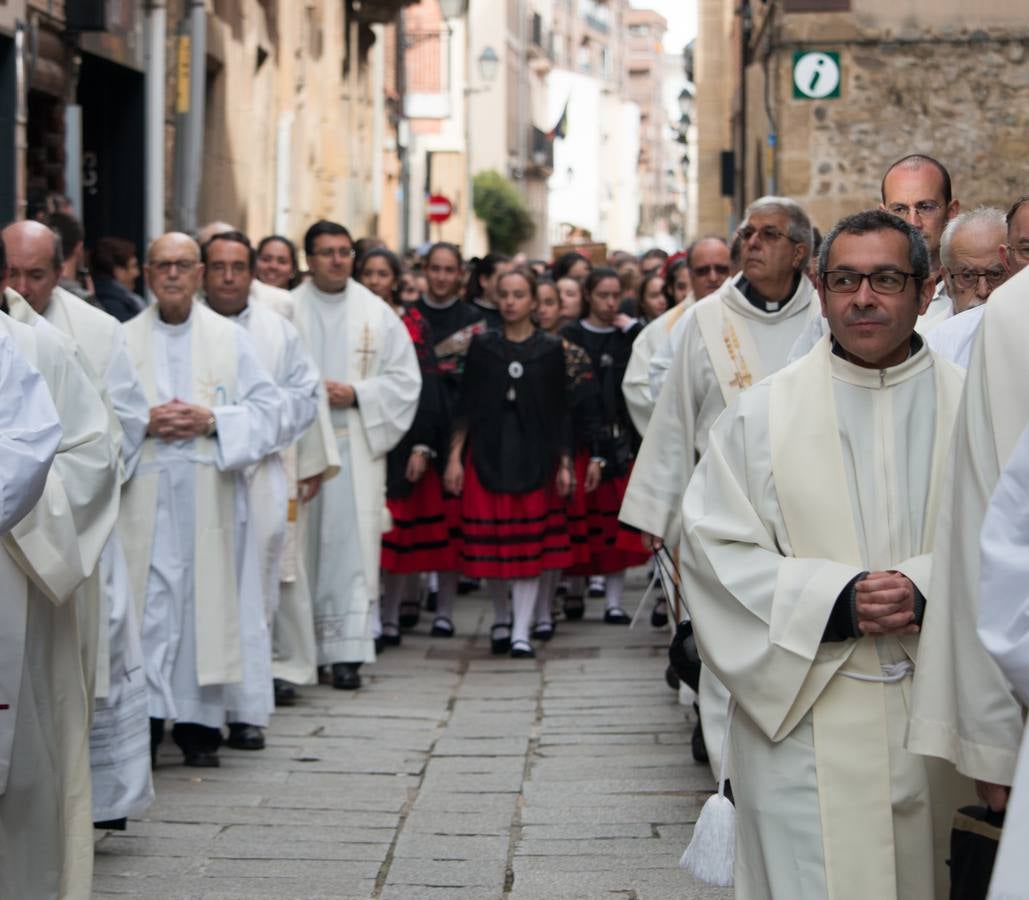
(808, 530)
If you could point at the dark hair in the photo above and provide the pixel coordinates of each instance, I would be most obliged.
(526, 273)
(916, 161)
(563, 264)
(641, 293)
(449, 248)
(654, 252)
(110, 253)
(233, 237)
(482, 268)
(874, 220)
(294, 279)
(69, 229)
(596, 276)
(391, 260)
(364, 245)
(321, 227)
(1015, 207)
(3, 257)
(683, 262)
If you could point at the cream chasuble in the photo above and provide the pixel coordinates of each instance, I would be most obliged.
(356, 339)
(185, 523)
(821, 472)
(639, 399)
(963, 708)
(1004, 631)
(953, 338)
(46, 826)
(120, 734)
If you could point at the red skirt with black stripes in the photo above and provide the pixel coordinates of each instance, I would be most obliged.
(511, 535)
(421, 538)
(602, 543)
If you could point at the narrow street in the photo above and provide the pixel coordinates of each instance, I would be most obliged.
(452, 774)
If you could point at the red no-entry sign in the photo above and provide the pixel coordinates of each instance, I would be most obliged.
(438, 208)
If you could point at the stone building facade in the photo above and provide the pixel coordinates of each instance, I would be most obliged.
(915, 77)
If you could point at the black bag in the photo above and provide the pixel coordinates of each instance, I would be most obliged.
(683, 655)
(973, 848)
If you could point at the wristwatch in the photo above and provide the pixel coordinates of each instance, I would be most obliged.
(599, 460)
(212, 426)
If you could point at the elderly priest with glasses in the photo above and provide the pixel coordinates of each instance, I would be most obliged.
(806, 551)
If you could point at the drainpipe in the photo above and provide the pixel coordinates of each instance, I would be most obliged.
(191, 55)
(156, 25)
(21, 119)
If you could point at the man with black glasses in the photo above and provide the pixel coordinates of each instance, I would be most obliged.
(730, 340)
(808, 530)
(917, 189)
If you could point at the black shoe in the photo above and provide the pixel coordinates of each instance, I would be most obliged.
(245, 737)
(616, 616)
(285, 693)
(345, 676)
(112, 825)
(431, 601)
(698, 746)
(543, 631)
(442, 627)
(574, 607)
(522, 650)
(380, 645)
(409, 616)
(200, 760)
(390, 636)
(500, 642)
(467, 585)
(595, 590)
(659, 615)
(671, 679)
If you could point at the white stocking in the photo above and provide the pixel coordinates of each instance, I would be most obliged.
(523, 596)
(394, 588)
(615, 588)
(545, 600)
(501, 601)
(446, 586)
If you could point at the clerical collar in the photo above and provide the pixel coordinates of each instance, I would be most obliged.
(916, 344)
(484, 303)
(433, 305)
(762, 303)
(597, 329)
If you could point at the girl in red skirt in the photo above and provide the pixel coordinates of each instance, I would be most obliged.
(419, 540)
(607, 336)
(510, 457)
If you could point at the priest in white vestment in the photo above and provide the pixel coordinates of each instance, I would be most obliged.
(1004, 631)
(963, 707)
(46, 831)
(728, 341)
(808, 530)
(120, 736)
(228, 278)
(708, 265)
(373, 383)
(185, 521)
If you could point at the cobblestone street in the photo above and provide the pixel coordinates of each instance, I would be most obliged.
(452, 774)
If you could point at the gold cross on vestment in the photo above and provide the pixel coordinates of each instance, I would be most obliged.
(740, 380)
(365, 351)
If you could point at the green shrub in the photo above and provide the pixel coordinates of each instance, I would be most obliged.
(502, 209)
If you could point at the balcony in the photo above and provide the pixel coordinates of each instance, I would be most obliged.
(540, 161)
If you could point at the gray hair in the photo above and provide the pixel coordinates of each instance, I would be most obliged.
(57, 259)
(798, 226)
(873, 220)
(980, 217)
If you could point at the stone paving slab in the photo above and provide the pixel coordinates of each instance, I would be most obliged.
(452, 774)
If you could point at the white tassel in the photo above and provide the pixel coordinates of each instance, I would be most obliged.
(712, 850)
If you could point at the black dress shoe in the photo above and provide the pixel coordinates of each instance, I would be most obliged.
(616, 616)
(245, 737)
(380, 645)
(285, 693)
(112, 825)
(409, 615)
(574, 607)
(201, 760)
(500, 638)
(522, 650)
(698, 746)
(442, 627)
(345, 676)
(390, 636)
(467, 585)
(543, 631)
(671, 678)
